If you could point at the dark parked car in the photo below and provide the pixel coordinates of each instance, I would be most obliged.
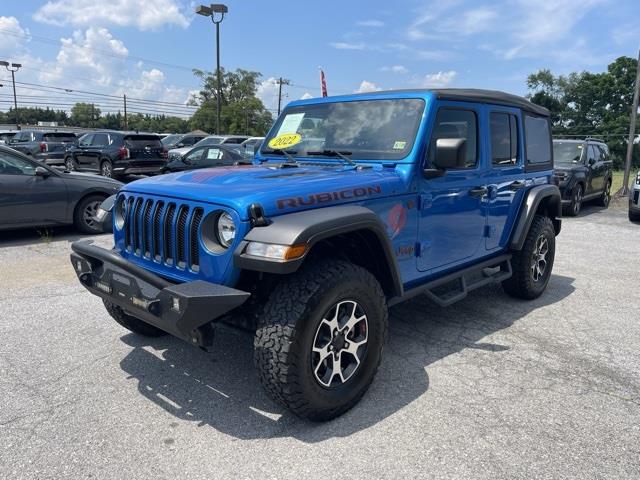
(584, 170)
(117, 153)
(205, 157)
(44, 145)
(180, 140)
(35, 195)
(634, 200)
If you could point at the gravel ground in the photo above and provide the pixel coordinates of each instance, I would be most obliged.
(491, 387)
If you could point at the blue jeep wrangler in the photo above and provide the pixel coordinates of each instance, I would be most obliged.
(352, 204)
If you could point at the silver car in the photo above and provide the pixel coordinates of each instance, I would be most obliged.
(176, 153)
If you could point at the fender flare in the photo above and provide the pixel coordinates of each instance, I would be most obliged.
(309, 227)
(534, 198)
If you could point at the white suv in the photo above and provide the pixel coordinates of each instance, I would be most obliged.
(634, 200)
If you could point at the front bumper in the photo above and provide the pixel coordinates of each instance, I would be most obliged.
(184, 310)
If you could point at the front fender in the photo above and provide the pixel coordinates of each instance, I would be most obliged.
(308, 228)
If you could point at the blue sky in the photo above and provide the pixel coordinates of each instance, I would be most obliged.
(147, 48)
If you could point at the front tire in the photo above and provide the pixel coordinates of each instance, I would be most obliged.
(319, 341)
(131, 323)
(69, 165)
(533, 264)
(576, 201)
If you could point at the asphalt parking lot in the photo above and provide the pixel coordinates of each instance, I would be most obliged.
(491, 387)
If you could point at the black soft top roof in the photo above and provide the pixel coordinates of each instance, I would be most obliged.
(477, 95)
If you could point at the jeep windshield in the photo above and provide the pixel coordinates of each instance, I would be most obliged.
(567, 153)
(382, 129)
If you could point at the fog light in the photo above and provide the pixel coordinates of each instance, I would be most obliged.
(276, 252)
(105, 287)
(175, 304)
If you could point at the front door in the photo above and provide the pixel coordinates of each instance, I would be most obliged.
(27, 199)
(83, 157)
(452, 218)
(505, 178)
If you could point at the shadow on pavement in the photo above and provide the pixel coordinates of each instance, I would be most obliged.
(41, 235)
(220, 389)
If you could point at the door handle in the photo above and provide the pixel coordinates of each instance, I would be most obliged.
(517, 185)
(478, 191)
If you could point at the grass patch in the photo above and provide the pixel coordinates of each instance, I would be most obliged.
(618, 177)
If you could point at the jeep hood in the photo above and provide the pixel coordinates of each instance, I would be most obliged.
(278, 190)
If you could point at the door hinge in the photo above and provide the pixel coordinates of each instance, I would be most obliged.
(425, 201)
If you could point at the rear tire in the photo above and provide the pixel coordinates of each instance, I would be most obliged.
(106, 169)
(85, 212)
(605, 199)
(533, 264)
(69, 164)
(131, 323)
(319, 341)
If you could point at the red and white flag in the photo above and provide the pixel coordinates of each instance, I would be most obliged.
(323, 83)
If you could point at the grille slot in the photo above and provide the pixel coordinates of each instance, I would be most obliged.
(181, 232)
(168, 237)
(196, 219)
(163, 231)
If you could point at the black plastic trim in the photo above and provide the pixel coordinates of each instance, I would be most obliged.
(309, 227)
(528, 212)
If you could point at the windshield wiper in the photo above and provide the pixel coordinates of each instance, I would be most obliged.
(287, 153)
(335, 153)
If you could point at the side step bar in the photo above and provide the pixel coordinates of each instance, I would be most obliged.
(462, 282)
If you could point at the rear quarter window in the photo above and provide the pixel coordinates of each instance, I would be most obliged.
(59, 137)
(538, 142)
(142, 141)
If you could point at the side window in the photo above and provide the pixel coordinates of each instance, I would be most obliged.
(604, 153)
(504, 139)
(13, 165)
(194, 157)
(456, 123)
(214, 154)
(538, 141)
(86, 140)
(591, 155)
(100, 140)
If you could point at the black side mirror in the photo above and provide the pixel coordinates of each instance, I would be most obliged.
(592, 161)
(42, 172)
(451, 153)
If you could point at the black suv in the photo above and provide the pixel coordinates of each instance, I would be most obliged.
(46, 146)
(179, 140)
(117, 153)
(584, 170)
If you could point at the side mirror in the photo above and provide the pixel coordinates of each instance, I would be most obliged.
(592, 161)
(451, 153)
(42, 172)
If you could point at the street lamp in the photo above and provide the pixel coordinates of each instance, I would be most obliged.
(211, 11)
(13, 68)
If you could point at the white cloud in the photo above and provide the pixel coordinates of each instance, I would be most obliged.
(12, 36)
(370, 23)
(347, 46)
(366, 86)
(400, 69)
(143, 14)
(306, 96)
(268, 92)
(438, 80)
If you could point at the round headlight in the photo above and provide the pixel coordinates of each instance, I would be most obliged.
(120, 212)
(226, 229)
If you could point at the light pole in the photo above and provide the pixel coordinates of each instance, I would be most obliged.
(13, 68)
(211, 11)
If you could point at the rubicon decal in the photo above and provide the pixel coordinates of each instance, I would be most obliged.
(325, 197)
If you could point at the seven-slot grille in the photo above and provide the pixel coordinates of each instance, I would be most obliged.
(163, 231)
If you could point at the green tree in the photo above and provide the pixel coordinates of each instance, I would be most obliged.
(242, 112)
(590, 104)
(85, 115)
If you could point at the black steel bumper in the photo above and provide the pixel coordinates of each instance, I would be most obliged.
(184, 310)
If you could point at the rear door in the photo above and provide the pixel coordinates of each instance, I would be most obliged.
(598, 168)
(83, 154)
(94, 153)
(58, 141)
(505, 178)
(27, 199)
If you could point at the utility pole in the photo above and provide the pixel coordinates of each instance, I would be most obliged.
(13, 68)
(280, 83)
(632, 130)
(126, 126)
